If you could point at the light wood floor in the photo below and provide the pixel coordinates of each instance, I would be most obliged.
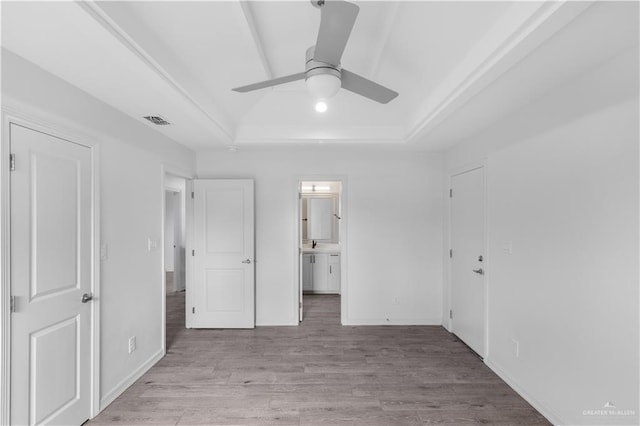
(317, 374)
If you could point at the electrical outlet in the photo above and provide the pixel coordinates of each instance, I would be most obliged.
(515, 348)
(507, 246)
(132, 344)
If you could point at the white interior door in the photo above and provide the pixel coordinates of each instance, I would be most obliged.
(223, 240)
(51, 252)
(467, 261)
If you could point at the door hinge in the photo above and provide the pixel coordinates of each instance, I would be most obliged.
(193, 252)
(450, 193)
(450, 253)
(192, 195)
(193, 310)
(450, 313)
(12, 162)
(12, 304)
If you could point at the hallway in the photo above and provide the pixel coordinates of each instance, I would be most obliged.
(318, 373)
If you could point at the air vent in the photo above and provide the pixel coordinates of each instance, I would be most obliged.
(157, 120)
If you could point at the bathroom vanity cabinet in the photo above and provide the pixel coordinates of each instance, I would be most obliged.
(321, 273)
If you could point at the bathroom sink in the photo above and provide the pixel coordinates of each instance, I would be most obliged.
(321, 248)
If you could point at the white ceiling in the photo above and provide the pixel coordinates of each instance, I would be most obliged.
(458, 66)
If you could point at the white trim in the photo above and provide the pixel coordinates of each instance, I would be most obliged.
(429, 321)
(257, 38)
(5, 277)
(487, 258)
(171, 169)
(163, 289)
(26, 115)
(167, 169)
(508, 379)
(125, 383)
(35, 121)
(189, 260)
(466, 168)
(97, 265)
(344, 284)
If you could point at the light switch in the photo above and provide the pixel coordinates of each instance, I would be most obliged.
(152, 244)
(104, 251)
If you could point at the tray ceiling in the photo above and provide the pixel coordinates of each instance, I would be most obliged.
(179, 60)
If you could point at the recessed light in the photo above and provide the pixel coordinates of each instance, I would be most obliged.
(321, 106)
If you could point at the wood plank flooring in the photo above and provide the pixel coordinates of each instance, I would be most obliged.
(317, 374)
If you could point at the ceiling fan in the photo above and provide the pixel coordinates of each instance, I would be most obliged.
(323, 74)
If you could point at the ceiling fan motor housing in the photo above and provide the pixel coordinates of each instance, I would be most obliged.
(313, 67)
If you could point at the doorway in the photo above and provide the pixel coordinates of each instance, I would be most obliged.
(468, 260)
(174, 243)
(320, 231)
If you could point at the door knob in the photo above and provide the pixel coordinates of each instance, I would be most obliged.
(247, 261)
(479, 271)
(86, 297)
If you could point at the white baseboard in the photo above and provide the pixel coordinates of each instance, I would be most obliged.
(391, 321)
(545, 411)
(278, 324)
(130, 379)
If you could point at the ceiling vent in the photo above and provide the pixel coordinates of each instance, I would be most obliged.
(157, 120)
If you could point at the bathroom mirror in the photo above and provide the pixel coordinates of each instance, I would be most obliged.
(320, 217)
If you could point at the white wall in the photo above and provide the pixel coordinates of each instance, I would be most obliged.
(393, 217)
(563, 187)
(131, 200)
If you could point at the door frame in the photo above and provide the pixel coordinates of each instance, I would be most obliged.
(343, 222)
(175, 207)
(165, 170)
(485, 278)
(35, 120)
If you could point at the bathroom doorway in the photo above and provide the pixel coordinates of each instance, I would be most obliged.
(320, 244)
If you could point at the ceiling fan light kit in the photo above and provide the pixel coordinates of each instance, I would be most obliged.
(323, 80)
(323, 74)
(321, 106)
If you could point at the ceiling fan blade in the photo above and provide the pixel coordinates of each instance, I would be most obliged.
(336, 22)
(270, 83)
(367, 88)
